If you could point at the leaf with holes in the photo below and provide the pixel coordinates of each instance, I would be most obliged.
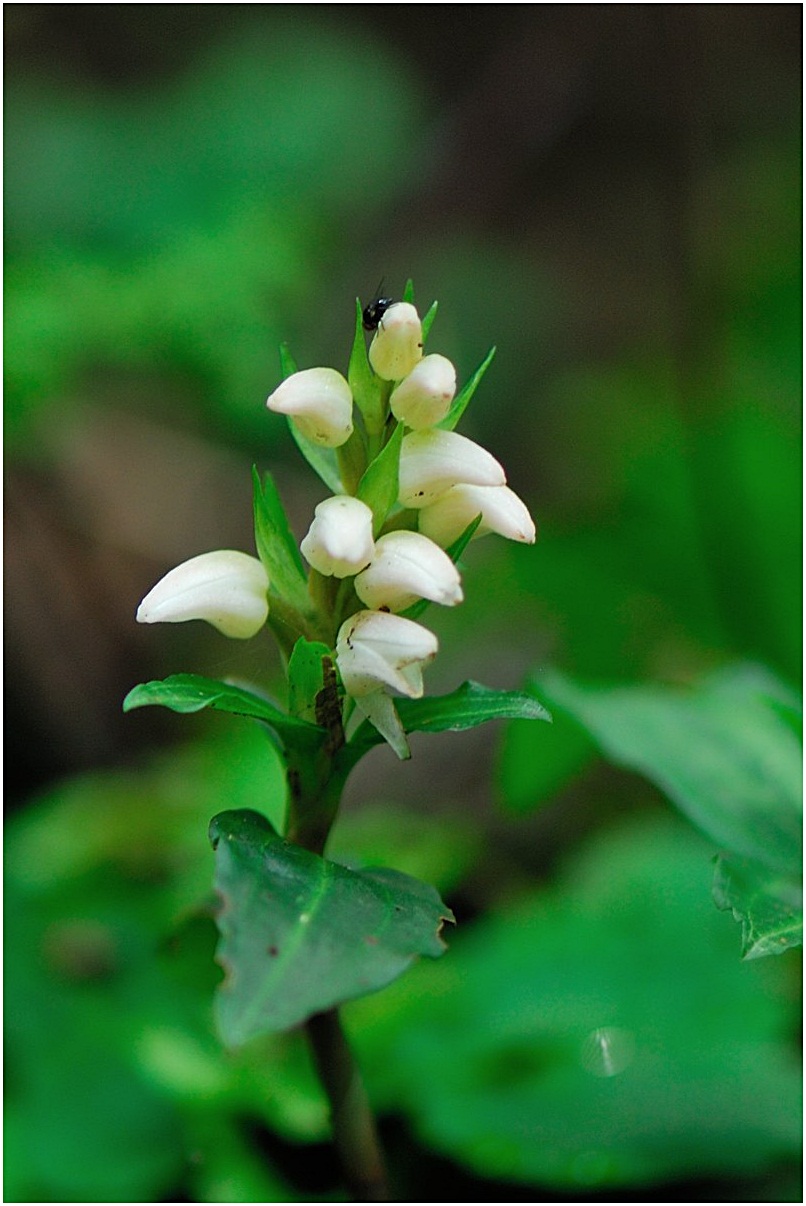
(300, 934)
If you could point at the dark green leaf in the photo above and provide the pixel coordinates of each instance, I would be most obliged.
(288, 365)
(366, 387)
(428, 319)
(454, 551)
(379, 486)
(300, 934)
(467, 391)
(305, 679)
(768, 906)
(469, 705)
(721, 753)
(276, 545)
(322, 460)
(192, 693)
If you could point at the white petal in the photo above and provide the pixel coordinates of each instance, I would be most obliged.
(398, 342)
(380, 711)
(320, 403)
(226, 588)
(405, 567)
(375, 649)
(339, 541)
(424, 397)
(501, 510)
(433, 461)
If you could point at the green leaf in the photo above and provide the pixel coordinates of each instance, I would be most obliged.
(366, 387)
(379, 487)
(769, 907)
(276, 545)
(721, 753)
(288, 365)
(191, 693)
(597, 1032)
(408, 292)
(300, 934)
(428, 318)
(469, 705)
(467, 391)
(305, 677)
(322, 460)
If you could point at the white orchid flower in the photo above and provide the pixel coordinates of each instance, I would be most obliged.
(225, 588)
(320, 404)
(501, 510)
(378, 654)
(339, 541)
(423, 398)
(406, 567)
(433, 461)
(377, 651)
(398, 342)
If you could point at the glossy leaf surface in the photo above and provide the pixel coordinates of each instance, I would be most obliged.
(301, 934)
(192, 692)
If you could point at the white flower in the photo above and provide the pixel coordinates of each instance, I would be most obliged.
(424, 397)
(405, 567)
(500, 508)
(320, 404)
(398, 342)
(377, 651)
(225, 588)
(433, 461)
(339, 541)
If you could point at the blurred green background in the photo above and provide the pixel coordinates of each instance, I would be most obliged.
(611, 195)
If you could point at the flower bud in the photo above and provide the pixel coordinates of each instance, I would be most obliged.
(320, 404)
(500, 508)
(339, 541)
(424, 397)
(377, 651)
(406, 567)
(225, 588)
(398, 342)
(433, 461)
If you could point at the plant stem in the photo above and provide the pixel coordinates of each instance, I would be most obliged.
(354, 1135)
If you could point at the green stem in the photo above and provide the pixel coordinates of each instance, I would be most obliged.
(354, 1133)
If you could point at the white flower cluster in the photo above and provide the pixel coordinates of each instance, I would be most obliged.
(444, 478)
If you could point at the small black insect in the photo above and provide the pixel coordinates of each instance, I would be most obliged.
(374, 312)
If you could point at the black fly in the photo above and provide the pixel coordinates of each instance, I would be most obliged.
(375, 310)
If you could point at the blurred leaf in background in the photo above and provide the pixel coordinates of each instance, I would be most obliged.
(597, 1034)
(610, 195)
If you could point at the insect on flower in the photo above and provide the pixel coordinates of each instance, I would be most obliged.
(374, 311)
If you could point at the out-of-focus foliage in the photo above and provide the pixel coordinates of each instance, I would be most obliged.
(598, 1033)
(727, 755)
(192, 246)
(631, 244)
